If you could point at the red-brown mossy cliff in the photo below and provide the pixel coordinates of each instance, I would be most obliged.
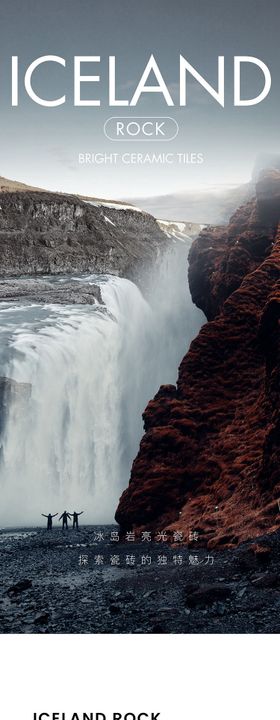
(210, 457)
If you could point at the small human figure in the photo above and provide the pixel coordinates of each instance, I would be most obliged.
(65, 517)
(49, 519)
(75, 516)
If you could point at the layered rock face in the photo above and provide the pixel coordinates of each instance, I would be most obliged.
(48, 233)
(209, 460)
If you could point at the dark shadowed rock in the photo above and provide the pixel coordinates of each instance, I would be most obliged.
(115, 609)
(207, 594)
(254, 556)
(266, 580)
(41, 619)
(20, 587)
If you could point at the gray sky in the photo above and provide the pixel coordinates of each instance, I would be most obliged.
(41, 145)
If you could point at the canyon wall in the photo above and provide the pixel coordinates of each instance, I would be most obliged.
(209, 459)
(49, 233)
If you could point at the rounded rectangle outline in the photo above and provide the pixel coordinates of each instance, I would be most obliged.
(140, 117)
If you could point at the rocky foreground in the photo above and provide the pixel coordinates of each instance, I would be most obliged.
(46, 588)
(209, 460)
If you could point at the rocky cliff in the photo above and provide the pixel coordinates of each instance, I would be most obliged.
(209, 460)
(49, 233)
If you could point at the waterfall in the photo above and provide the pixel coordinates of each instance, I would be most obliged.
(88, 371)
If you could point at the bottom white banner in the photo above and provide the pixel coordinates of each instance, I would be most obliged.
(143, 677)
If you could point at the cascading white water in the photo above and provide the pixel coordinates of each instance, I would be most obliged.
(70, 441)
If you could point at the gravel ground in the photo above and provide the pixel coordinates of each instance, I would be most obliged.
(52, 583)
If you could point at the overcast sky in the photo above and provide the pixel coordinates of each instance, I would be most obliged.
(40, 146)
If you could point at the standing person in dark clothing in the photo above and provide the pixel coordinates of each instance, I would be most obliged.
(49, 519)
(65, 517)
(75, 516)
